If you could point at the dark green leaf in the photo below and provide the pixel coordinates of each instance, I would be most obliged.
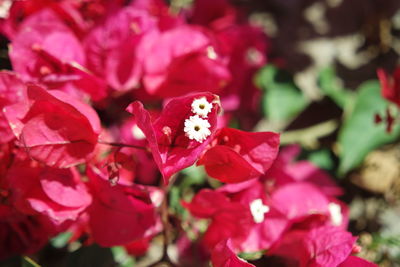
(322, 158)
(330, 86)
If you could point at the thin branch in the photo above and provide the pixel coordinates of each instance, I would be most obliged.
(308, 137)
(120, 145)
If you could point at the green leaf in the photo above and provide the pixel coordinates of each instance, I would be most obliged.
(195, 175)
(360, 134)
(330, 86)
(322, 158)
(121, 257)
(282, 100)
(61, 240)
(175, 200)
(251, 256)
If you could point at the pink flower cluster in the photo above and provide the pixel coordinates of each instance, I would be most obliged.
(291, 212)
(80, 68)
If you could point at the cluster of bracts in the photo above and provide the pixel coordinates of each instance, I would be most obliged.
(77, 157)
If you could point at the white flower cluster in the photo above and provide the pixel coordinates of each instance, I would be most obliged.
(197, 127)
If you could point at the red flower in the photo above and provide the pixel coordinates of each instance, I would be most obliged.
(223, 256)
(229, 219)
(174, 68)
(267, 224)
(43, 31)
(237, 156)
(297, 200)
(217, 14)
(55, 128)
(119, 214)
(325, 246)
(390, 85)
(58, 194)
(286, 170)
(39, 54)
(21, 233)
(182, 131)
(354, 261)
(138, 247)
(111, 47)
(12, 90)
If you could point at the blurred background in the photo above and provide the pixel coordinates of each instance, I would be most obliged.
(321, 90)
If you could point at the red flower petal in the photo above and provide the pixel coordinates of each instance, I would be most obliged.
(171, 148)
(119, 214)
(239, 155)
(57, 130)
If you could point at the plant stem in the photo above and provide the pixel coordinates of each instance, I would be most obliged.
(120, 145)
(166, 224)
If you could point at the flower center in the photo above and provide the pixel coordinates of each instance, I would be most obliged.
(197, 128)
(201, 107)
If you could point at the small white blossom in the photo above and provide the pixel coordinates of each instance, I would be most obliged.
(258, 209)
(201, 107)
(137, 132)
(196, 128)
(211, 53)
(5, 8)
(336, 214)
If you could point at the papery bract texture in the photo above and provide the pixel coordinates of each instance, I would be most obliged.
(299, 200)
(324, 246)
(229, 219)
(119, 214)
(354, 261)
(12, 91)
(286, 170)
(45, 50)
(44, 31)
(111, 47)
(223, 256)
(268, 223)
(54, 128)
(237, 156)
(57, 194)
(191, 64)
(172, 149)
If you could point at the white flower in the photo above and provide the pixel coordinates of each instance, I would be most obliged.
(5, 8)
(258, 209)
(201, 107)
(211, 53)
(336, 214)
(137, 132)
(196, 128)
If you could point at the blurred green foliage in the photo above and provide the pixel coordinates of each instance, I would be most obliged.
(282, 100)
(359, 133)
